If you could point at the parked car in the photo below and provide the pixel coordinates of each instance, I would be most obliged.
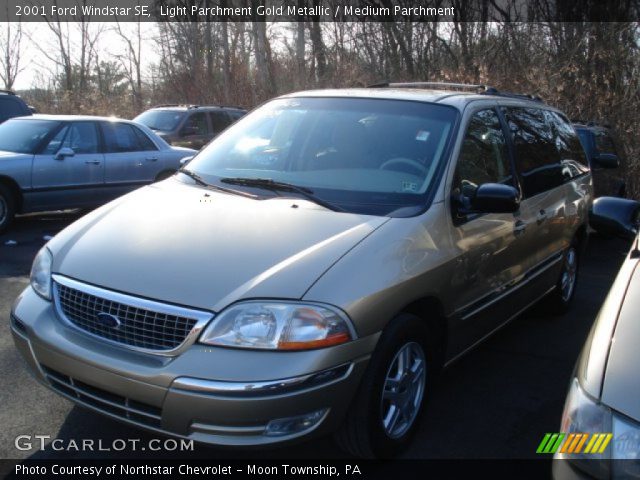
(52, 162)
(314, 267)
(190, 126)
(11, 105)
(604, 393)
(604, 157)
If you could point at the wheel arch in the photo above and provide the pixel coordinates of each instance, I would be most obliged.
(430, 310)
(15, 190)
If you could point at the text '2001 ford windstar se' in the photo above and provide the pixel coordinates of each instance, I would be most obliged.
(314, 267)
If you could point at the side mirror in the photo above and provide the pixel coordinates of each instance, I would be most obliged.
(615, 216)
(606, 160)
(185, 160)
(495, 198)
(186, 131)
(64, 152)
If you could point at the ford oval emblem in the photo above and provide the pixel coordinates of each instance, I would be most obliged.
(108, 320)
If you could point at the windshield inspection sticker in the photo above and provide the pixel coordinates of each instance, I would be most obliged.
(422, 135)
(409, 187)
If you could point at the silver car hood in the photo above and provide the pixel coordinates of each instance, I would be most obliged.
(196, 247)
(621, 388)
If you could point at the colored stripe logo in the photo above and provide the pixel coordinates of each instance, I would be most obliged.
(572, 443)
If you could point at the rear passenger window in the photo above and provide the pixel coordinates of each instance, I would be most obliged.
(121, 137)
(537, 156)
(219, 121)
(9, 108)
(572, 156)
(483, 156)
(145, 142)
(198, 124)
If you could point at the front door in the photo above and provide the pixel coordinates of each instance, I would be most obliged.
(492, 249)
(69, 171)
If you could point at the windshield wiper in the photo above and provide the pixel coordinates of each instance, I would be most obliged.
(198, 179)
(270, 184)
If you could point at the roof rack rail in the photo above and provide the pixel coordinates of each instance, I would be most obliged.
(477, 88)
(191, 105)
(432, 85)
(524, 96)
(169, 105)
(590, 123)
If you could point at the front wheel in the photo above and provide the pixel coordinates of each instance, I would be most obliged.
(7, 207)
(385, 412)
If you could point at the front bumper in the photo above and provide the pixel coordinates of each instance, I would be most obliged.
(209, 394)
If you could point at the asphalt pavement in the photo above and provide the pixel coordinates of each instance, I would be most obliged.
(496, 402)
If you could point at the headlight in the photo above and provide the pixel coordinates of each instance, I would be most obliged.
(41, 273)
(278, 326)
(582, 414)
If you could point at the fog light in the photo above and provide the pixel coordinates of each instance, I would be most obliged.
(291, 425)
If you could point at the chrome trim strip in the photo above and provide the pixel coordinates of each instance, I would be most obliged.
(498, 327)
(285, 385)
(527, 277)
(202, 317)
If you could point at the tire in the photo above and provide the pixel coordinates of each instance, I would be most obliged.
(7, 207)
(369, 430)
(559, 301)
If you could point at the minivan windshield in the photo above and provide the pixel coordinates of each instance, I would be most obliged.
(162, 120)
(25, 135)
(364, 155)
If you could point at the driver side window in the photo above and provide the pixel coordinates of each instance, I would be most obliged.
(483, 156)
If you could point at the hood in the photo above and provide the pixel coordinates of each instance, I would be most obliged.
(621, 388)
(196, 247)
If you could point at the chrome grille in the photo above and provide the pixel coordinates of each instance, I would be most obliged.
(140, 325)
(102, 400)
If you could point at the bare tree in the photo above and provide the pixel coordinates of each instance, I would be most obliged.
(131, 62)
(10, 49)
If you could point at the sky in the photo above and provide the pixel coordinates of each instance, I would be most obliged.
(37, 37)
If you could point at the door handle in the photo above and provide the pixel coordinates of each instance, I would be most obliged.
(151, 159)
(541, 217)
(92, 162)
(519, 228)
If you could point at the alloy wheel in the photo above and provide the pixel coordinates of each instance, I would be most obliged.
(569, 274)
(403, 390)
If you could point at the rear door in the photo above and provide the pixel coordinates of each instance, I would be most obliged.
(132, 159)
(69, 181)
(543, 179)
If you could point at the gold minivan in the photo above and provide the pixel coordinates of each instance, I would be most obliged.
(314, 267)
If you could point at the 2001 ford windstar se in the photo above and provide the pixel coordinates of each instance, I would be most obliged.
(314, 267)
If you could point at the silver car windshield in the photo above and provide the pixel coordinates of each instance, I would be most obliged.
(365, 155)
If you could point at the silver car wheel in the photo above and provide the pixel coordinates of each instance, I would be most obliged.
(403, 389)
(568, 279)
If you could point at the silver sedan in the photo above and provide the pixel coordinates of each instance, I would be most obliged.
(52, 162)
(601, 421)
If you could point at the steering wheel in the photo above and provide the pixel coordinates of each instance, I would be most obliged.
(387, 165)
